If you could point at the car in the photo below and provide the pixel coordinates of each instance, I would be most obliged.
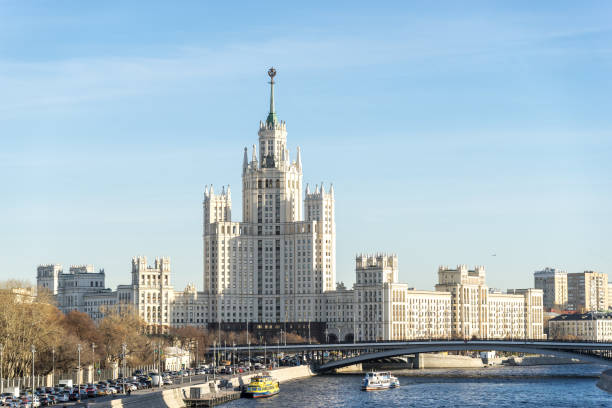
(167, 381)
(63, 397)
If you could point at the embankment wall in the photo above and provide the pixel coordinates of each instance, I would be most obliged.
(173, 398)
(426, 360)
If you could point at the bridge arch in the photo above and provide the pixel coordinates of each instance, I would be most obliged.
(459, 347)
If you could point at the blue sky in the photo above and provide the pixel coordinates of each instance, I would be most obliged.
(451, 132)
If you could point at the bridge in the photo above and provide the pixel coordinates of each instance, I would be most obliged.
(355, 353)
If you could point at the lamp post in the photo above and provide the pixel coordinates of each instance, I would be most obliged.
(197, 352)
(214, 359)
(53, 366)
(79, 373)
(93, 359)
(123, 351)
(159, 367)
(33, 351)
(1, 362)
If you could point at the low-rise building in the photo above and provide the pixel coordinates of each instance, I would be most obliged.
(586, 326)
(175, 359)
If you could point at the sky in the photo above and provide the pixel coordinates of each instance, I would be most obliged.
(473, 133)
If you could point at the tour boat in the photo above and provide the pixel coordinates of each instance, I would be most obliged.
(379, 381)
(262, 385)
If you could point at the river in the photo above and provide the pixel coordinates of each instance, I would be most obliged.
(499, 387)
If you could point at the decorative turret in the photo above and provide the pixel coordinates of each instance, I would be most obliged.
(217, 207)
(254, 157)
(298, 159)
(245, 161)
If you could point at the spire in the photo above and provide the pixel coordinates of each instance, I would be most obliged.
(298, 159)
(254, 156)
(245, 160)
(307, 189)
(272, 119)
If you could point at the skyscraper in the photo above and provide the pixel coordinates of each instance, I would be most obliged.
(272, 266)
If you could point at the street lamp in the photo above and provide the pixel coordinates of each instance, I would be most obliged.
(214, 359)
(123, 349)
(1, 362)
(93, 359)
(33, 351)
(53, 366)
(79, 373)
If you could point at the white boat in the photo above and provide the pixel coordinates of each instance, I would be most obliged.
(379, 381)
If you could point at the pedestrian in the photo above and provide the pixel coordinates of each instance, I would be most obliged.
(129, 392)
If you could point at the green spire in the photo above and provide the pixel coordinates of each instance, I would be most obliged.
(272, 119)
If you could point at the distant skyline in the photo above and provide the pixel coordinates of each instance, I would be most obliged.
(451, 133)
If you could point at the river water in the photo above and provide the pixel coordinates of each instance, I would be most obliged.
(499, 387)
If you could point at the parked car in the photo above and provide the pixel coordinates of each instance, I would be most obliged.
(63, 397)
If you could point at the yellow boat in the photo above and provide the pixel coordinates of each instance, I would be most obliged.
(263, 385)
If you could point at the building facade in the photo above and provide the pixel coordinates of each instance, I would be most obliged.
(587, 291)
(79, 289)
(553, 283)
(586, 326)
(276, 264)
(461, 306)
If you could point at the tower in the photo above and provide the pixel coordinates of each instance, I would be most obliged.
(275, 264)
(47, 277)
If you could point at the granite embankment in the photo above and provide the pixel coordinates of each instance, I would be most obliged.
(173, 398)
(540, 360)
(422, 360)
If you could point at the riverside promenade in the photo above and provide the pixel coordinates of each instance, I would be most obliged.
(173, 397)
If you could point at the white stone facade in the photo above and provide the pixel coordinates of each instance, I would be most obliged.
(78, 289)
(278, 264)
